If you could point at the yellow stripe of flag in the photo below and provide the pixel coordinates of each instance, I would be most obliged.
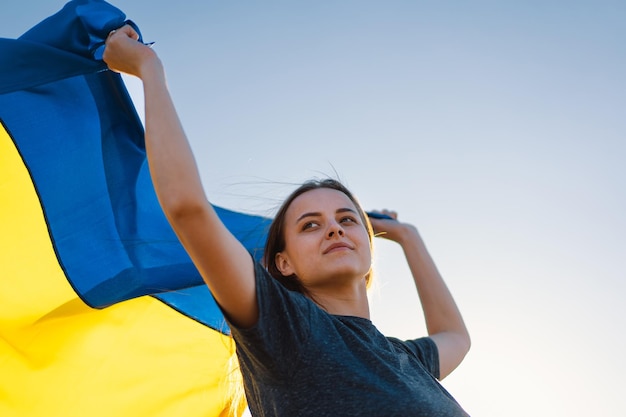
(59, 357)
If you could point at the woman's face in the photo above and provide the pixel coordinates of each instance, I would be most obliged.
(326, 242)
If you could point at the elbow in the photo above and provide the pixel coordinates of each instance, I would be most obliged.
(462, 344)
(464, 341)
(462, 338)
(467, 343)
(452, 347)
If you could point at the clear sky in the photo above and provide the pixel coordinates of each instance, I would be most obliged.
(497, 127)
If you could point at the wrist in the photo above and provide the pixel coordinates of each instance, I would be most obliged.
(150, 67)
(408, 235)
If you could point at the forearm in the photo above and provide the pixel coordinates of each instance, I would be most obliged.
(440, 310)
(172, 165)
(223, 262)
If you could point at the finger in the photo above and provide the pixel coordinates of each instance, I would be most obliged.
(375, 214)
(125, 30)
(391, 213)
(130, 32)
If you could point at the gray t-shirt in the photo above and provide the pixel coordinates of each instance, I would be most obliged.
(299, 360)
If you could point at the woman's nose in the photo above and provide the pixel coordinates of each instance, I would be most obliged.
(335, 229)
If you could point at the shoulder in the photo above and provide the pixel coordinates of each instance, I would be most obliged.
(273, 345)
(280, 309)
(270, 290)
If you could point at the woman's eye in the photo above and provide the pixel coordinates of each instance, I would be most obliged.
(348, 220)
(309, 225)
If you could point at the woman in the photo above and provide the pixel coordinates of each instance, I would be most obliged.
(304, 339)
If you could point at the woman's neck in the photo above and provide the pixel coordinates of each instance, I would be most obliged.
(345, 301)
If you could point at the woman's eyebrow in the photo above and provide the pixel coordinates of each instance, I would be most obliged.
(318, 214)
(345, 210)
(308, 214)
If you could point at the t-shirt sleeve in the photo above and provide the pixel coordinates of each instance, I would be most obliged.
(283, 323)
(426, 352)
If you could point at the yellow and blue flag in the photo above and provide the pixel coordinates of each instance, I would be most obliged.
(101, 310)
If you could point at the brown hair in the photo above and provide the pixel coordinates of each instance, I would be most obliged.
(276, 235)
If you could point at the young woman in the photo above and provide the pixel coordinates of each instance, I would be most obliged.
(301, 323)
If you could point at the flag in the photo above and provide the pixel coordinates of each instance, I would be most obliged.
(101, 310)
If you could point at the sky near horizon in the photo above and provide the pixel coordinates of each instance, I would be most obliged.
(497, 128)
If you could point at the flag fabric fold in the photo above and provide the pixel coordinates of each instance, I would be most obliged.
(101, 310)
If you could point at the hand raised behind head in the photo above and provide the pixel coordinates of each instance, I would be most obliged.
(387, 226)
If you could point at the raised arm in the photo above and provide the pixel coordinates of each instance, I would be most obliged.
(223, 262)
(443, 319)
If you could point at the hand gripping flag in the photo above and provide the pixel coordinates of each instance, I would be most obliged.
(101, 311)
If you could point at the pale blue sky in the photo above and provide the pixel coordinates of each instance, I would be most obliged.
(498, 128)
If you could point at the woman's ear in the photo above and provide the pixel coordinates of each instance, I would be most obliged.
(283, 265)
